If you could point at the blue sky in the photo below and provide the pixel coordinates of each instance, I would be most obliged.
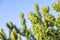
(10, 10)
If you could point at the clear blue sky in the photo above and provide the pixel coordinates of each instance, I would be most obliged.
(10, 10)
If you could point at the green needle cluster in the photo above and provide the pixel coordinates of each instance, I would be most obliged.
(56, 6)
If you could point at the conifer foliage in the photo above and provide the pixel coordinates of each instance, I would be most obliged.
(42, 30)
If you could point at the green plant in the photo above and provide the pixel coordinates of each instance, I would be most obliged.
(43, 30)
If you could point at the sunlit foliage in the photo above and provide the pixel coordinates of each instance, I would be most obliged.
(42, 30)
